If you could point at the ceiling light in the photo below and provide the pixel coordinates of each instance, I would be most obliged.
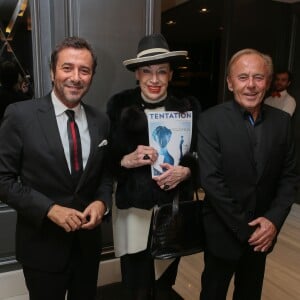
(171, 22)
(204, 10)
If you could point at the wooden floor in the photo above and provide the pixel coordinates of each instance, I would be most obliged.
(282, 277)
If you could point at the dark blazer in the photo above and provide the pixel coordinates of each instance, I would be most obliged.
(34, 175)
(238, 188)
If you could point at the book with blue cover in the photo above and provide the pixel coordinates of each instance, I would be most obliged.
(170, 133)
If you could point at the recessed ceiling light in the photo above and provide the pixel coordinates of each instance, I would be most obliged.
(171, 22)
(204, 10)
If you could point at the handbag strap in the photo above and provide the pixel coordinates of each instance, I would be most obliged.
(175, 206)
(197, 196)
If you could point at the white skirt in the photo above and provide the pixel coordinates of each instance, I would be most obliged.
(130, 229)
(130, 233)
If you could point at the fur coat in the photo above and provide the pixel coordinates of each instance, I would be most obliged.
(135, 186)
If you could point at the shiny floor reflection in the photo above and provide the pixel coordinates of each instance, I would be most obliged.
(282, 277)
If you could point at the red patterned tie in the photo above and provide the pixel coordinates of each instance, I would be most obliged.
(74, 144)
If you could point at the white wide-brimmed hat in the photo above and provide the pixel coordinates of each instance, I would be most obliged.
(153, 49)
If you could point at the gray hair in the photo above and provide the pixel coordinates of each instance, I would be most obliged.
(267, 59)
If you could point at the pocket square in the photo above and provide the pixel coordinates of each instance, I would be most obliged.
(103, 143)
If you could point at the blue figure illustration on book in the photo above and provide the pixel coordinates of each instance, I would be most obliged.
(162, 136)
(180, 146)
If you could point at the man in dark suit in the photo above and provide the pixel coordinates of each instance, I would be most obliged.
(247, 165)
(60, 192)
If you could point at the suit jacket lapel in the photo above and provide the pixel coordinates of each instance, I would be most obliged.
(266, 144)
(242, 135)
(93, 130)
(48, 123)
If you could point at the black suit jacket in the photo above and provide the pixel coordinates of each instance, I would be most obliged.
(34, 175)
(238, 188)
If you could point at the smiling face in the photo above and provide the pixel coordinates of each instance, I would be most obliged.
(154, 80)
(249, 80)
(72, 75)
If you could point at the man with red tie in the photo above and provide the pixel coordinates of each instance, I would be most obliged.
(52, 172)
(279, 97)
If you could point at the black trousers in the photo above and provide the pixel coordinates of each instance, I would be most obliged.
(248, 274)
(138, 271)
(138, 274)
(79, 279)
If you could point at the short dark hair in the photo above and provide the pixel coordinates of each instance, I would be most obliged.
(72, 42)
(282, 71)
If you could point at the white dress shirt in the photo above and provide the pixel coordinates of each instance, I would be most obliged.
(62, 120)
(285, 102)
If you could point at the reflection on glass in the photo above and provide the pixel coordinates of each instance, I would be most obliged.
(15, 52)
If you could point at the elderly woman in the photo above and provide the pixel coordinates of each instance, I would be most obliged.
(137, 192)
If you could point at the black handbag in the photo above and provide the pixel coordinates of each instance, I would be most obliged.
(177, 229)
